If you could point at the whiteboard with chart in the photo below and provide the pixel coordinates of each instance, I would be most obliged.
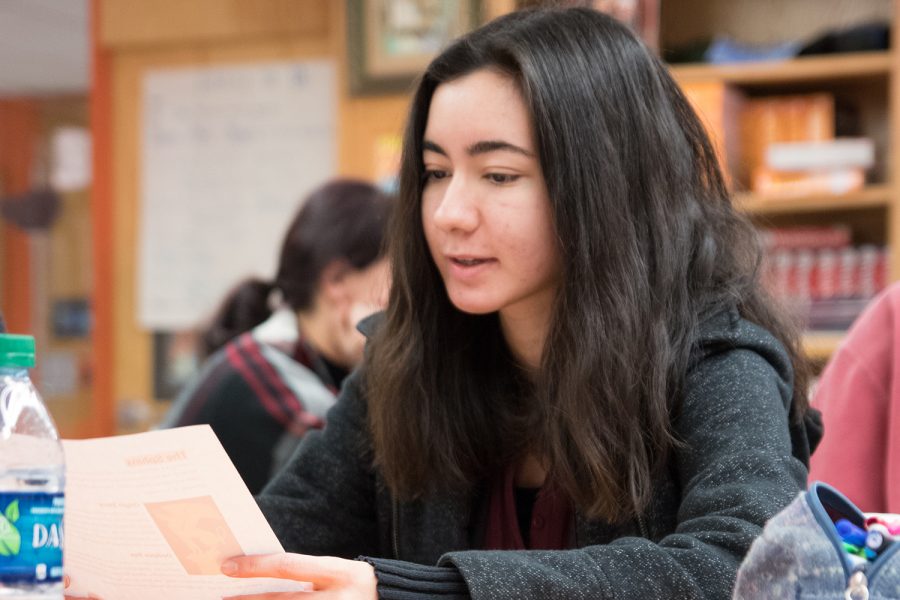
(228, 152)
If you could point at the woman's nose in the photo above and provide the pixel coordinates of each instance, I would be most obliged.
(457, 209)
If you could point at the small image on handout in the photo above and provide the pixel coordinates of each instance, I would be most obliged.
(197, 533)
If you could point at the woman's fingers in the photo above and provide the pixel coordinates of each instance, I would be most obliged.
(272, 596)
(322, 571)
(326, 595)
(283, 566)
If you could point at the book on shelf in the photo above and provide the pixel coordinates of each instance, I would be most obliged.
(787, 118)
(719, 105)
(824, 279)
(797, 184)
(835, 314)
(783, 238)
(822, 155)
(826, 274)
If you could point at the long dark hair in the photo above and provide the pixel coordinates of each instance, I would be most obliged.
(650, 246)
(341, 220)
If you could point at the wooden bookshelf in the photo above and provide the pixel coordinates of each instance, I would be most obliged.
(820, 345)
(858, 65)
(873, 196)
(864, 85)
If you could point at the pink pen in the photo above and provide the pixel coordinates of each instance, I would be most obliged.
(892, 525)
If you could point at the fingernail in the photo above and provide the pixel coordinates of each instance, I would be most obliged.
(229, 567)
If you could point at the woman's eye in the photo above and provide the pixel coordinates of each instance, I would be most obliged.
(501, 178)
(434, 175)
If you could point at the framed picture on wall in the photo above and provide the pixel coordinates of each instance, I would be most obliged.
(390, 42)
(642, 16)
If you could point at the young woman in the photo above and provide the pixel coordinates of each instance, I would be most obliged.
(578, 389)
(272, 375)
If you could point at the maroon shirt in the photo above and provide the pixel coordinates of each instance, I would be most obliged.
(551, 518)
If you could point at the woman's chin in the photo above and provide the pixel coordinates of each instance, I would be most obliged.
(473, 307)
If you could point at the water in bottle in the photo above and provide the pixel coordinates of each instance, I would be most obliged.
(32, 480)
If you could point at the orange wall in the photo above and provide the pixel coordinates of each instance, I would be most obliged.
(19, 127)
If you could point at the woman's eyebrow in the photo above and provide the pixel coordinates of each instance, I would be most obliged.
(496, 145)
(482, 147)
(426, 145)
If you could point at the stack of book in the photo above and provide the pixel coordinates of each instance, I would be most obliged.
(835, 166)
(790, 149)
(777, 119)
(783, 146)
(821, 275)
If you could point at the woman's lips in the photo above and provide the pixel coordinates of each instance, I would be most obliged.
(468, 262)
(469, 267)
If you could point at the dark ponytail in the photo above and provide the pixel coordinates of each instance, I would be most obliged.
(342, 220)
(245, 307)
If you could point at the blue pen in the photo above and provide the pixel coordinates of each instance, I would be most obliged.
(850, 533)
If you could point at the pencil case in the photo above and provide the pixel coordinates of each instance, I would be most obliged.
(800, 555)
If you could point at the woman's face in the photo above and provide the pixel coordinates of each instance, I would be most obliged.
(485, 207)
(364, 292)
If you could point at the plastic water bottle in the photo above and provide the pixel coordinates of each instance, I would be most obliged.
(32, 481)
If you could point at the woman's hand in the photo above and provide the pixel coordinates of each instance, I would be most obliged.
(334, 578)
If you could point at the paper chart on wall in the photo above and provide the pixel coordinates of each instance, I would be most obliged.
(227, 155)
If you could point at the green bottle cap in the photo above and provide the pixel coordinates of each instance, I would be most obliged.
(16, 350)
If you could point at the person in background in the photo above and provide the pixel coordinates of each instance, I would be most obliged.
(272, 374)
(860, 452)
(578, 388)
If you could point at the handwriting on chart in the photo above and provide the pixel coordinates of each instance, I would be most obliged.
(227, 154)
